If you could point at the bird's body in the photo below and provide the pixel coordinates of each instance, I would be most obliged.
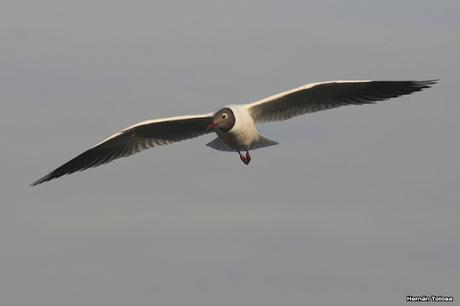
(235, 125)
(243, 134)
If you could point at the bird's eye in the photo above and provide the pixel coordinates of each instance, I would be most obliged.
(224, 116)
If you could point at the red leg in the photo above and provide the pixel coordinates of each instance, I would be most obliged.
(248, 157)
(243, 158)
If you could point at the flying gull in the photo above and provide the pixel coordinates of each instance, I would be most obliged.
(235, 125)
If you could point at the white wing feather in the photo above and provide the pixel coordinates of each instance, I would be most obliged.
(138, 137)
(319, 96)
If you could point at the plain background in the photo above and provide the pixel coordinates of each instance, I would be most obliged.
(356, 206)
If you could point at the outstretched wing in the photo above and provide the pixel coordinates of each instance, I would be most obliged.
(315, 97)
(141, 136)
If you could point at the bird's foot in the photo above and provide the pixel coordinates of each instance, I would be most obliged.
(245, 159)
(248, 157)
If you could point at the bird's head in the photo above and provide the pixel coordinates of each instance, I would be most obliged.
(223, 120)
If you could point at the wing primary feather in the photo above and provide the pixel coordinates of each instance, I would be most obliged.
(132, 140)
(326, 95)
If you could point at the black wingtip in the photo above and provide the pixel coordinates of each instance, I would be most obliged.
(426, 83)
(41, 180)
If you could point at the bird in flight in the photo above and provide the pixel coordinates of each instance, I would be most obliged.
(235, 125)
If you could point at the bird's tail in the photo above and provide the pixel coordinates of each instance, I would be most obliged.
(262, 143)
(218, 144)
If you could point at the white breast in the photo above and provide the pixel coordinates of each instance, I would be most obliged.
(244, 131)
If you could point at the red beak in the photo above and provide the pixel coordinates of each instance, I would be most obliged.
(212, 126)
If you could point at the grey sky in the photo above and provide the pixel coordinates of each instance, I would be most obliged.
(356, 203)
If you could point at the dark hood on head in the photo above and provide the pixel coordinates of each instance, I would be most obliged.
(224, 119)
